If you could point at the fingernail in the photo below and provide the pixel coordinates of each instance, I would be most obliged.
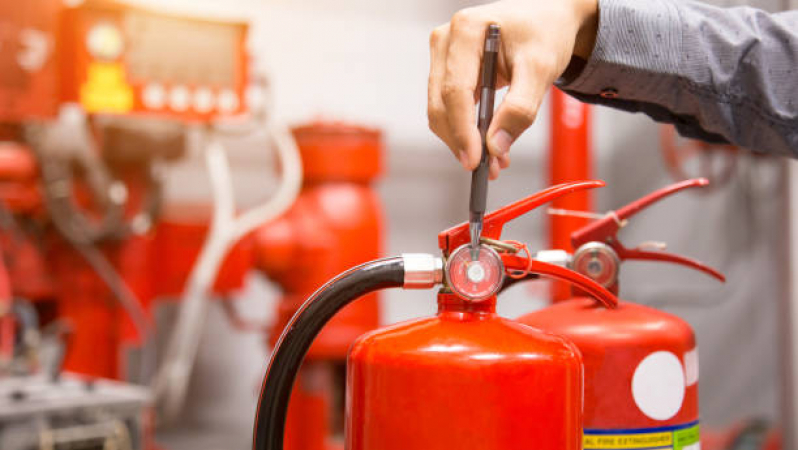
(504, 161)
(463, 156)
(494, 168)
(501, 141)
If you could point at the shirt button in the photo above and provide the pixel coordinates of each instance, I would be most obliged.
(609, 93)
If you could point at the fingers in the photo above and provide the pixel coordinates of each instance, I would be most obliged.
(463, 60)
(436, 109)
(497, 164)
(504, 161)
(519, 108)
(493, 168)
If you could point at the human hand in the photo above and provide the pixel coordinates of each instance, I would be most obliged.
(538, 40)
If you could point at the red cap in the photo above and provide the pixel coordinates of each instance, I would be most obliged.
(337, 151)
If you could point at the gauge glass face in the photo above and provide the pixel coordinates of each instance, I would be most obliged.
(475, 280)
(596, 264)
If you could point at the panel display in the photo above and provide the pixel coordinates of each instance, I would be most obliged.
(178, 51)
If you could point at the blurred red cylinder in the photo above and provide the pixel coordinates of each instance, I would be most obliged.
(569, 160)
(336, 223)
(641, 373)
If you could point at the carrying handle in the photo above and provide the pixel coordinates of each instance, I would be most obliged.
(494, 222)
(606, 229)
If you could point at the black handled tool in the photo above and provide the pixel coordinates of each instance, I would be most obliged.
(479, 177)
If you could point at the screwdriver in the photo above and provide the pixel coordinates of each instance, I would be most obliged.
(479, 177)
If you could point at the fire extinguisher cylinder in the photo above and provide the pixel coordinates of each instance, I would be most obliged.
(464, 379)
(641, 364)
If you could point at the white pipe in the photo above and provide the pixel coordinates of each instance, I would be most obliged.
(171, 382)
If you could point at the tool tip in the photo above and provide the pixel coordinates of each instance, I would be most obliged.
(493, 30)
(474, 250)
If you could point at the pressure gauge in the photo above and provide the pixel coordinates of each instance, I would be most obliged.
(474, 280)
(597, 261)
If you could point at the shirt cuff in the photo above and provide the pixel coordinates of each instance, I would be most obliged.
(637, 50)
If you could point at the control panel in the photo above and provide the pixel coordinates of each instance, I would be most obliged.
(129, 60)
(28, 71)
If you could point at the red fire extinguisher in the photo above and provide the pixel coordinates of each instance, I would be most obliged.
(641, 364)
(464, 379)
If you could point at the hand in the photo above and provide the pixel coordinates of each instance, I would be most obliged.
(538, 39)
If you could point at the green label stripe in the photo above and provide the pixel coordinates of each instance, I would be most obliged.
(685, 437)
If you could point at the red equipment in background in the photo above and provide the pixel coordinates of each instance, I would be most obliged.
(689, 158)
(749, 434)
(114, 62)
(28, 78)
(641, 364)
(569, 160)
(123, 60)
(335, 223)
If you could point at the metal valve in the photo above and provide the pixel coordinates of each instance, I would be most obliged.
(475, 279)
(422, 270)
(598, 261)
(480, 279)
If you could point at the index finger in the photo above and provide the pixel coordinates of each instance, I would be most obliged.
(464, 56)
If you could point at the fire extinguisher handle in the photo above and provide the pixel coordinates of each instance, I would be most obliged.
(606, 228)
(494, 222)
(605, 231)
(646, 255)
(599, 292)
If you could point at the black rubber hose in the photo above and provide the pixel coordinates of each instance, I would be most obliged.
(299, 334)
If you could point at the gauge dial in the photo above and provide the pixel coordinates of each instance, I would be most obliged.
(475, 280)
(598, 262)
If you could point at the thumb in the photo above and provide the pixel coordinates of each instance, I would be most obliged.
(517, 112)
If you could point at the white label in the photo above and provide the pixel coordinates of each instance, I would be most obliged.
(658, 385)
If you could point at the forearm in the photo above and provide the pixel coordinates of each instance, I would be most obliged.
(717, 74)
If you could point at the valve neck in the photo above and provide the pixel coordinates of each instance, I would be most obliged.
(450, 305)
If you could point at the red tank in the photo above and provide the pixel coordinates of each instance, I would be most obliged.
(641, 371)
(335, 223)
(467, 368)
(641, 364)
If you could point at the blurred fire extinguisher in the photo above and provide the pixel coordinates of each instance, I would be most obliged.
(335, 223)
(641, 364)
(458, 380)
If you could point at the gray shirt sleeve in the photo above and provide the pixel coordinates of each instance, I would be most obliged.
(718, 74)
